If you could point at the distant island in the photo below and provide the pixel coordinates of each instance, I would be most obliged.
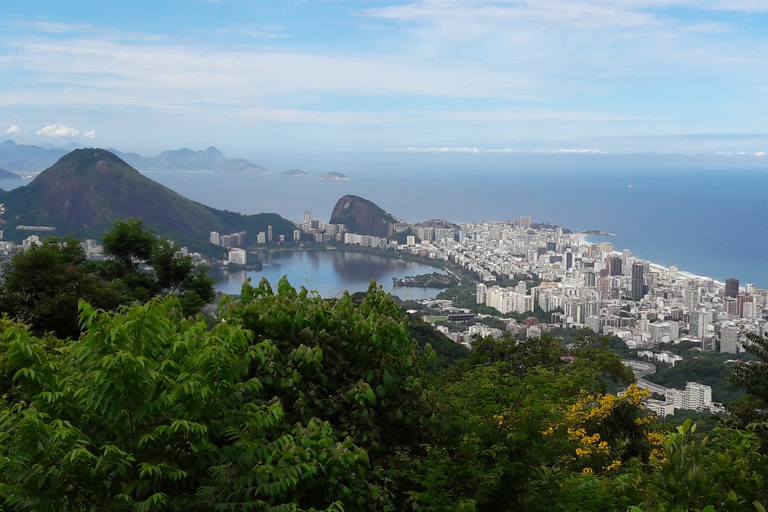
(334, 176)
(596, 232)
(295, 172)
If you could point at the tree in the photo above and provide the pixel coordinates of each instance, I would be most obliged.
(42, 286)
(153, 411)
(753, 378)
(131, 246)
(368, 383)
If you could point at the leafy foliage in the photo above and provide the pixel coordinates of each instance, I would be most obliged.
(151, 411)
(42, 286)
(132, 246)
(368, 378)
(753, 379)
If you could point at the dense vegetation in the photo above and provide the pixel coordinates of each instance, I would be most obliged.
(288, 402)
(43, 284)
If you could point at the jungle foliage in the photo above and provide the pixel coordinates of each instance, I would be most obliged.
(289, 402)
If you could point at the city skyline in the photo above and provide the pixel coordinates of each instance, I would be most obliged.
(420, 76)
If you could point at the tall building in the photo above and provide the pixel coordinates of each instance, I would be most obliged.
(214, 238)
(524, 222)
(614, 265)
(307, 217)
(729, 339)
(638, 281)
(269, 233)
(480, 292)
(698, 324)
(731, 287)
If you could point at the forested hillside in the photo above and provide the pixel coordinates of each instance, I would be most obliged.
(288, 402)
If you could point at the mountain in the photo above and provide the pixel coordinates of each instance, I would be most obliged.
(5, 175)
(85, 190)
(187, 160)
(363, 217)
(22, 158)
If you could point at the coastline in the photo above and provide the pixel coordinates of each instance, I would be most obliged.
(584, 238)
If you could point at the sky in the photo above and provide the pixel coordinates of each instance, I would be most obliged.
(264, 77)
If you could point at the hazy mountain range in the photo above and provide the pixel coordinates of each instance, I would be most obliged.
(21, 159)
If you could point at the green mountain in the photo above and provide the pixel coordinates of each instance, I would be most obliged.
(363, 217)
(87, 189)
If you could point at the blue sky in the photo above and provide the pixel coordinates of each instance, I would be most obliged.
(283, 77)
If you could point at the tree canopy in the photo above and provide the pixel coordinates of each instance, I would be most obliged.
(289, 402)
(43, 284)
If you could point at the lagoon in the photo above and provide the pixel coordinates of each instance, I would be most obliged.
(330, 273)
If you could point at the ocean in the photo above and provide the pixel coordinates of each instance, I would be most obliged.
(705, 214)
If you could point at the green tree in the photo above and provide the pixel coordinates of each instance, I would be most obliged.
(151, 410)
(43, 284)
(500, 440)
(694, 473)
(369, 381)
(135, 251)
(753, 378)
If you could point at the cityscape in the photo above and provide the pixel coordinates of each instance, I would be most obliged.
(577, 282)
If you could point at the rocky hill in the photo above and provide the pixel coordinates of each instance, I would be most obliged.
(87, 189)
(363, 217)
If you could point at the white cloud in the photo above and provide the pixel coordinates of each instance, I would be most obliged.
(13, 130)
(90, 134)
(58, 130)
(501, 151)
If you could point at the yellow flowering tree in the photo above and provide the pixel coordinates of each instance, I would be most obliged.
(603, 430)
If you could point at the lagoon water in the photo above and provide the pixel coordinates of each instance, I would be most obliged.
(331, 272)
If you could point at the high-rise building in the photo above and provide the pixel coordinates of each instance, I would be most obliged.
(214, 238)
(742, 299)
(731, 287)
(698, 324)
(480, 292)
(729, 338)
(307, 217)
(524, 222)
(626, 256)
(614, 265)
(269, 233)
(638, 281)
